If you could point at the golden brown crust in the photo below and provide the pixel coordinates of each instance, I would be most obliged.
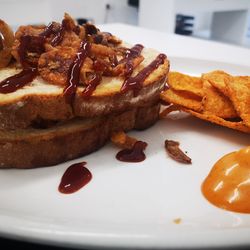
(29, 109)
(30, 148)
(117, 102)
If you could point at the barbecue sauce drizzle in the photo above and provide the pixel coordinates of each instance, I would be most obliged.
(129, 55)
(27, 75)
(136, 83)
(74, 71)
(135, 154)
(49, 30)
(93, 83)
(128, 59)
(133, 52)
(75, 67)
(77, 175)
(29, 72)
(74, 178)
(65, 26)
(13, 83)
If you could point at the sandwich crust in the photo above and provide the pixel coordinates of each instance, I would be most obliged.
(30, 148)
(43, 101)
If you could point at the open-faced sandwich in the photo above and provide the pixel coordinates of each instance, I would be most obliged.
(65, 88)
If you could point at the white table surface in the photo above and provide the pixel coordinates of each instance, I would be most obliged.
(180, 46)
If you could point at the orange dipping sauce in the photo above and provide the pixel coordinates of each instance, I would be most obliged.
(228, 184)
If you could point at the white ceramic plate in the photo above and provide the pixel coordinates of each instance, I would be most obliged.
(132, 205)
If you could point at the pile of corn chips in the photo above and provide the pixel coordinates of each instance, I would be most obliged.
(215, 96)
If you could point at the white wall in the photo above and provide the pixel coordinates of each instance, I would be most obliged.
(231, 24)
(78, 8)
(122, 13)
(17, 12)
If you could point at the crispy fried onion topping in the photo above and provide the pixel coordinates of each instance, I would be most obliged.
(173, 150)
(53, 48)
(6, 42)
(122, 140)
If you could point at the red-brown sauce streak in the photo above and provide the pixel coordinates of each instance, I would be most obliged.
(27, 75)
(74, 178)
(36, 44)
(129, 67)
(136, 83)
(113, 60)
(134, 154)
(49, 30)
(133, 52)
(93, 83)
(29, 72)
(13, 83)
(129, 56)
(60, 34)
(74, 71)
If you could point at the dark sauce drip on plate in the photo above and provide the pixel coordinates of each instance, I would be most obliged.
(74, 71)
(136, 83)
(74, 178)
(135, 154)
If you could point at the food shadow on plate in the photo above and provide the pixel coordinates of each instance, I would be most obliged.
(30, 246)
(16, 178)
(179, 123)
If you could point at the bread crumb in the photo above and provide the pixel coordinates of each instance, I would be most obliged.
(20, 104)
(177, 221)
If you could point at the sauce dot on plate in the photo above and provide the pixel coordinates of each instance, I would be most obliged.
(74, 178)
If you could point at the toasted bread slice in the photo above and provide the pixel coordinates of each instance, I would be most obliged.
(42, 100)
(31, 147)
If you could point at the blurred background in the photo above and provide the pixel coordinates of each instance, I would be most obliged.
(221, 20)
